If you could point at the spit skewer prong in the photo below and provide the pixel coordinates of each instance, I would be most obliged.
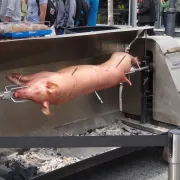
(9, 93)
(133, 70)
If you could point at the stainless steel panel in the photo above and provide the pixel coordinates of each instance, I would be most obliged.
(166, 99)
(50, 54)
(30, 52)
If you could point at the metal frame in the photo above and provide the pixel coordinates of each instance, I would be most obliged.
(170, 139)
(84, 141)
(86, 164)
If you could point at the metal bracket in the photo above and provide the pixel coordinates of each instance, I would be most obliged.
(144, 88)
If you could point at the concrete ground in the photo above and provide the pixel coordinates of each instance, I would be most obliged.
(178, 40)
(147, 164)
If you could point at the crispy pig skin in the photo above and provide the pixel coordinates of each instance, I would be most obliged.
(47, 88)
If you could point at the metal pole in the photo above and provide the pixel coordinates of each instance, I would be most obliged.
(110, 13)
(158, 9)
(174, 154)
(133, 13)
(129, 17)
(170, 28)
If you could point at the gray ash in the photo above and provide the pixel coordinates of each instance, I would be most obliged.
(36, 161)
(115, 129)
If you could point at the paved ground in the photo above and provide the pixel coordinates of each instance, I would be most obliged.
(178, 39)
(143, 165)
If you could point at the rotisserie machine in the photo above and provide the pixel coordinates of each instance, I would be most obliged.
(152, 102)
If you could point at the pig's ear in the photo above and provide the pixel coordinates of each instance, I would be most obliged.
(51, 87)
(45, 108)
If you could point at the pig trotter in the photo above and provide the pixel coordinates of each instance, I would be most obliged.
(45, 108)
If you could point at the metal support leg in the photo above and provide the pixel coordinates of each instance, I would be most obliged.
(171, 16)
(174, 154)
(144, 89)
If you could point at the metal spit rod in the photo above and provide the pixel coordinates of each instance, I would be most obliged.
(133, 70)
